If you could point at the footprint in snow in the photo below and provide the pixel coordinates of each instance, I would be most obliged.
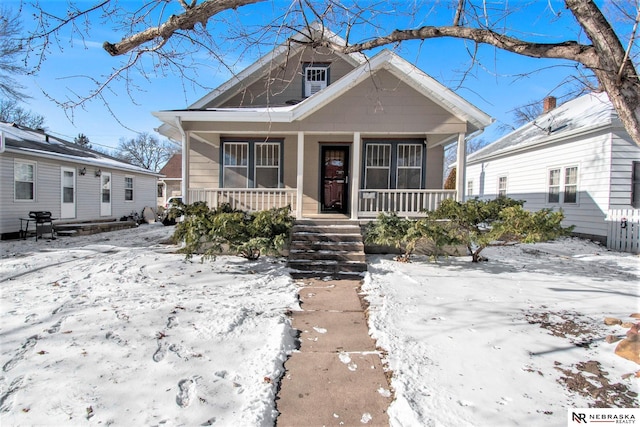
(20, 354)
(116, 338)
(172, 322)
(6, 400)
(160, 353)
(186, 392)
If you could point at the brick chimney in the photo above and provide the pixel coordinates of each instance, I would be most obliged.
(548, 104)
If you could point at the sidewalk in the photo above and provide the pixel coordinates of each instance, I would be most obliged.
(336, 378)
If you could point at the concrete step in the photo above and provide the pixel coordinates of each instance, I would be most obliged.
(326, 246)
(296, 254)
(328, 266)
(326, 237)
(326, 229)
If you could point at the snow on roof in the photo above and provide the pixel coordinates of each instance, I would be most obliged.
(590, 111)
(39, 143)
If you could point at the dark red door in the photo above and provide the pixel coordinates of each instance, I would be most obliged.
(335, 179)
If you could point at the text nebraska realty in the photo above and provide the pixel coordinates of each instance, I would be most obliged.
(604, 418)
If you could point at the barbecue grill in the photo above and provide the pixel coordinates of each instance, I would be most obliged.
(43, 222)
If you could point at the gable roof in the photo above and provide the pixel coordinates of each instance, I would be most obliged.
(386, 59)
(19, 139)
(173, 168)
(272, 59)
(584, 114)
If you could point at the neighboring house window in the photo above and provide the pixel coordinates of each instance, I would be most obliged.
(470, 188)
(252, 164)
(409, 166)
(128, 188)
(24, 177)
(393, 165)
(553, 195)
(160, 192)
(635, 185)
(377, 166)
(502, 186)
(571, 184)
(316, 78)
(267, 173)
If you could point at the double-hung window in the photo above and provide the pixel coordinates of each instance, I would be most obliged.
(128, 188)
(251, 164)
(409, 166)
(553, 195)
(377, 166)
(571, 184)
(393, 165)
(470, 188)
(502, 186)
(24, 178)
(562, 185)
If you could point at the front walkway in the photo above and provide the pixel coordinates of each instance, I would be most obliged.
(336, 378)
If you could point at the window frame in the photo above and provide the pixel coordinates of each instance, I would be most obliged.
(250, 166)
(470, 188)
(131, 189)
(394, 145)
(34, 166)
(388, 151)
(411, 166)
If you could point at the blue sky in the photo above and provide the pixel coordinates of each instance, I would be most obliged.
(502, 82)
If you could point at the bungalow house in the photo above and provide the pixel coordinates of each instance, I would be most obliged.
(40, 172)
(170, 184)
(330, 134)
(576, 157)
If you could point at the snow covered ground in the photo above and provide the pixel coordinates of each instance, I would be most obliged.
(117, 328)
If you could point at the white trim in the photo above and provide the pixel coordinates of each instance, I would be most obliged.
(355, 176)
(34, 164)
(300, 175)
(133, 186)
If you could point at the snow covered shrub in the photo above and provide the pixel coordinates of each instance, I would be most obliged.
(481, 223)
(210, 231)
(391, 230)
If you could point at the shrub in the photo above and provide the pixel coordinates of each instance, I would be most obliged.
(209, 231)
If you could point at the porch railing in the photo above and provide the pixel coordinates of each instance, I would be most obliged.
(403, 202)
(246, 199)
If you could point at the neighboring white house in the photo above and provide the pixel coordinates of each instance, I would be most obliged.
(170, 185)
(576, 157)
(39, 172)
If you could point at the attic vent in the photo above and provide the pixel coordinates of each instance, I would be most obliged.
(316, 79)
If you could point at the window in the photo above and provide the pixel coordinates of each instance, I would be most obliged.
(251, 164)
(571, 184)
(553, 195)
(635, 185)
(24, 177)
(502, 186)
(409, 166)
(128, 188)
(267, 173)
(160, 192)
(68, 186)
(377, 166)
(470, 188)
(316, 78)
(236, 164)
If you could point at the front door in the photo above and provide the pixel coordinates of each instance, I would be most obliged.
(105, 194)
(68, 195)
(335, 179)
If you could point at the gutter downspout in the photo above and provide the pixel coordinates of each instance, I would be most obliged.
(185, 162)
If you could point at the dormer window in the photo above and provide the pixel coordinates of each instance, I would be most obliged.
(316, 78)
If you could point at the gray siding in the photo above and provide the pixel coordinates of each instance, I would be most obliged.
(623, 153)
(48, 191)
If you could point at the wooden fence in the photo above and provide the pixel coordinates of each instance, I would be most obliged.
(623, 230)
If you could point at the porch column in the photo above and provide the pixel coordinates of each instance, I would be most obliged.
(185, 162)
(300, 175)
(462, 167)
(355, 179)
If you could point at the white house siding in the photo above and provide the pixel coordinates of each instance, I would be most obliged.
(48, 191)
(527, 179)
(623, 153)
